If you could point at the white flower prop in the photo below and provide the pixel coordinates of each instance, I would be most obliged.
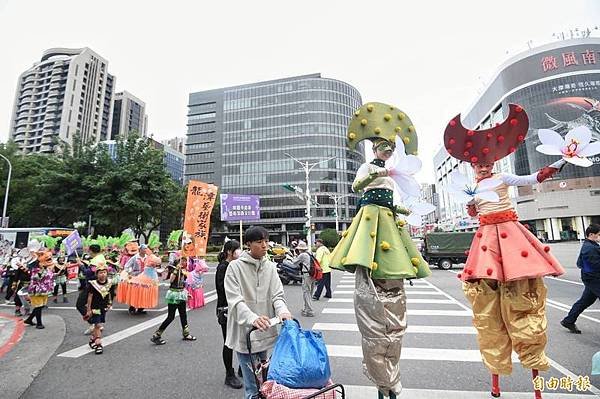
(401, 168)
(417, 208)
(575, 148)
(466, 191)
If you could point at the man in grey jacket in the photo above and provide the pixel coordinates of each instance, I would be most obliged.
(254, 296)
(302, 262)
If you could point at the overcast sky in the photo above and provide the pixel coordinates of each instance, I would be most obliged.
(430, 58)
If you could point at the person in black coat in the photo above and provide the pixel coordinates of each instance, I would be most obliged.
(231, 251)
(589, 263)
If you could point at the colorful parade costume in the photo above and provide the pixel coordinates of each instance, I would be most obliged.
(41, 285)
(502, 278)
(378, 249)
(142, 291)
(195, 282)
(176, 299)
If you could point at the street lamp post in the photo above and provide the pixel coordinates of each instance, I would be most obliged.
(7, 187)
(308, 167)
(336, 198)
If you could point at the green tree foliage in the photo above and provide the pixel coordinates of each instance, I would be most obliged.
(131, 190)
(330, 237)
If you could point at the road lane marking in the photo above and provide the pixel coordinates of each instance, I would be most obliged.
(364, 391)
(410, 312)
(438, 354)
(567, 308)
(457, 330)
(564, 280)
(409, 300)
(126, 333)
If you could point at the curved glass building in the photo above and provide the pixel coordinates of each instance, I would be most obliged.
(558, 84)
(238, 137)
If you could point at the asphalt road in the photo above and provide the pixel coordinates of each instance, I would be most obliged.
(439, 359)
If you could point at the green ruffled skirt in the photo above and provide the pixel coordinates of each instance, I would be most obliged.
(174, 296)
(376, 241)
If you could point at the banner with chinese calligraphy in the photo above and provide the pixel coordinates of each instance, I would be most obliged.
(200, 201)
(235, 207)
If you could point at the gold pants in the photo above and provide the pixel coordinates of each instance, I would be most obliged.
(509, 316)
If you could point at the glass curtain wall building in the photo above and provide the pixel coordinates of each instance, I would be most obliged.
(558, 84)
(238, 137)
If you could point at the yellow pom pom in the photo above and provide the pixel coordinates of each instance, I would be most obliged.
(411, 128)
(377, 130)
(387, 117)
(400, 223)
(390, 214)
(406, 140)
(357, 112)
(363, 122)
(370, 107)
(398, 129)
(352, 136)
(400, 116)
(373, 234)
(385, 245)
(415, 261)
(374, 266)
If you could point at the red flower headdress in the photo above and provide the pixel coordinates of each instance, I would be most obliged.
(489, 145)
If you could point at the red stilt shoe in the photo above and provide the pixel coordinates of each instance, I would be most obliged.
(534, 375)
(495, 386)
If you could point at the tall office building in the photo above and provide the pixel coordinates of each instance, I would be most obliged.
(129, 115)
(558, 84)
(238, 138)
(69, 92)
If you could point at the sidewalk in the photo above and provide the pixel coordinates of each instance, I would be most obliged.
(25, 350)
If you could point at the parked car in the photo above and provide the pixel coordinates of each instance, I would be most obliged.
(447, 248)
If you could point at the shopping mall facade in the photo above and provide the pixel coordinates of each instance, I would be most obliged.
(558, 84)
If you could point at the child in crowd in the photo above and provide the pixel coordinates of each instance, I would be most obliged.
(99, 300)
(176, 301)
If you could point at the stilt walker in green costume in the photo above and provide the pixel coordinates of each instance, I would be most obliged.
(376, 247)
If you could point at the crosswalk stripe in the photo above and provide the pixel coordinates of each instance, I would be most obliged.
(431, 292)
(458, 330)
(363, 391)
(409, 300)
(410, 312)
(438, 354)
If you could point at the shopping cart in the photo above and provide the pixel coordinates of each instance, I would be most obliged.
(260, 370)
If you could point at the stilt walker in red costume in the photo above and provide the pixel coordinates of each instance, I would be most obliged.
(502, 278)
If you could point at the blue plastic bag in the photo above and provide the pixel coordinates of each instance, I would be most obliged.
(299, 358)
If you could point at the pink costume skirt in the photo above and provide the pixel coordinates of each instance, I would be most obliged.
(140, 292)
(196, 298)
(504, 250)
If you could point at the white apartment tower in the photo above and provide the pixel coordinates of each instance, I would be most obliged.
(129, 114)
(68, 92)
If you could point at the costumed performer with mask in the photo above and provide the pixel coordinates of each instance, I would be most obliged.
(502, 278)
(376, 247)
